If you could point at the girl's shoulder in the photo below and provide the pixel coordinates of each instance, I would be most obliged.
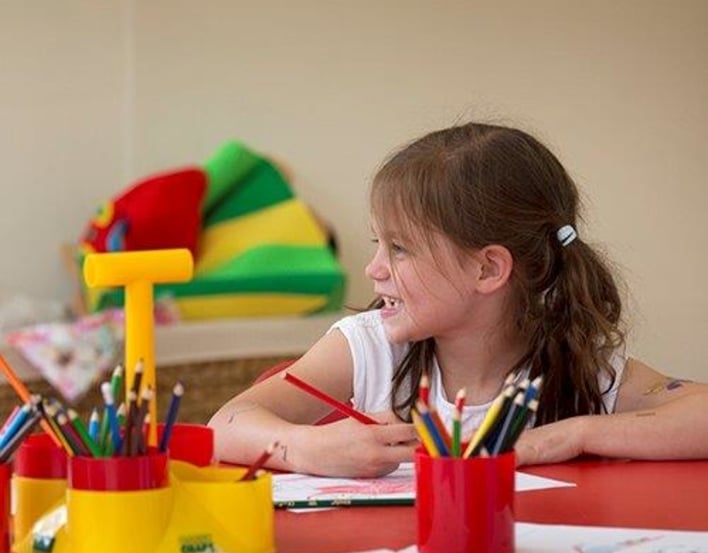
(366, 322)
(365, 332)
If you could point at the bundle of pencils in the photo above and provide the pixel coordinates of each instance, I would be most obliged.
(504, 422)
(17, 426)
(122, 430)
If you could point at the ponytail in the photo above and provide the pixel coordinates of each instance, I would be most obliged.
(575, 333)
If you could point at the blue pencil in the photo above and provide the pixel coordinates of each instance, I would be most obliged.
(177, 393)
(427, 419)
(111, 414)
(15, 424)
(94, 428)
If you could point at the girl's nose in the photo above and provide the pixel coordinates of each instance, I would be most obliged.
(377, 268)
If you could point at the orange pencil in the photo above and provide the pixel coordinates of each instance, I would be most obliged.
(258, 463)
(338, 405)
(22, 391)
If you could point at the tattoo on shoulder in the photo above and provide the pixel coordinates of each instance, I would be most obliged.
(283, 452)
(666, 385)
(645, 414)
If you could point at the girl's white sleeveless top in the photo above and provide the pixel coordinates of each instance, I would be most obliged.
(375, 359)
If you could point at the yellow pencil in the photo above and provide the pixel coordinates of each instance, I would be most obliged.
(424, 435)
(489, 418)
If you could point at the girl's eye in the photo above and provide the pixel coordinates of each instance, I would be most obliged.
(397, 249)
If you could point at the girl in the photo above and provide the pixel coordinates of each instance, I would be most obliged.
(479, 272)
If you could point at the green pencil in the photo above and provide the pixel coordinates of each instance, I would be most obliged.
(342, 502)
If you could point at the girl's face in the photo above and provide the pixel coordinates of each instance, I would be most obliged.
(428, 290)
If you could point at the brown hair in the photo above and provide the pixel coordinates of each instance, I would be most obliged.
(483, 184)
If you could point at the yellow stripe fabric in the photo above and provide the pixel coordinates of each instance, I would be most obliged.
(287, 222)
(248, 305)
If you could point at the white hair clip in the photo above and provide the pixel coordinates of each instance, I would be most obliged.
(566, 234)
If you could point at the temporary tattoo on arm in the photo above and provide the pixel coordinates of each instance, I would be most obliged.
(645, 414)
(240, 408)
(283, 452)
(666, 385)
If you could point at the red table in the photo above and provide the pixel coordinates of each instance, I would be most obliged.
(668, 494)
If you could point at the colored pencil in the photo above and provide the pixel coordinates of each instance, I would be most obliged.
(111, 414)
(15, 424)
(498, 406)
(83, 433)
(42, 407)
(9, 418)
(14, 442)
(177, 393)
(22, 391)
(427, 419)
(457, 423)
(137, 428)
(116, 384)
(424, 435)
(117, 381)
(338, 405)
(424, 389)
(342, 502)
(504, 429)
(519, 424)
(137, 377)
(440, 427)
(94, 425)
(258, 463)
(132, 409)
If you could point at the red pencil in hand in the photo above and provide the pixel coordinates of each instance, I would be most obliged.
(338, 405)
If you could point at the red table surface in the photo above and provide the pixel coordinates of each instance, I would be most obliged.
(667, 494)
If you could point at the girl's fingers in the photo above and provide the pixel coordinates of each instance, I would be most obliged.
(395, 433)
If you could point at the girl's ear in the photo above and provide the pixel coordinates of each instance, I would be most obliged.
(495, 266)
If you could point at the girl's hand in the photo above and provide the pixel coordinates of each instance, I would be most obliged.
(348, 448)
(551, 443)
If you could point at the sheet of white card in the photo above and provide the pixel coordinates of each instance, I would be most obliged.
(400, 484)
(553, 538)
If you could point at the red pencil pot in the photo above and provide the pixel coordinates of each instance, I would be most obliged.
(191, 443)
(119, 474)
(465, 505)
(40, 457)
(5, 475)
(39, 482)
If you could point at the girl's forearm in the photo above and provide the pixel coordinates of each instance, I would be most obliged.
(243, 430)
(675, 430)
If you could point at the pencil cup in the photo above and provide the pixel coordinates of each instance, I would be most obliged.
(118, 504)
(191, 443)
(5, 474)
(465, 505)
(214, 501)
(38, 482)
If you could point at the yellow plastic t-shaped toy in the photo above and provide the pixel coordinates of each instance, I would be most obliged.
(137, 271)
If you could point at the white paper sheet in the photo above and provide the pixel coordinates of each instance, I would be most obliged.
(294, 489)
(552, 538)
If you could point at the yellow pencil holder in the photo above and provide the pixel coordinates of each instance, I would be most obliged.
(118, 504)
(212, 501)
(38, 481)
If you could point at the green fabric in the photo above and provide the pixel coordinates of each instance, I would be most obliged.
(229, 165)
(264, 186)
(277, 269)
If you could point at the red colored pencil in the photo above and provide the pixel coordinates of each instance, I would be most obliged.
(338, 405)
(258, 463)
(424, 389)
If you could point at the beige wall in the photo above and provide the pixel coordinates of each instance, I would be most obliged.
(91, 97)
